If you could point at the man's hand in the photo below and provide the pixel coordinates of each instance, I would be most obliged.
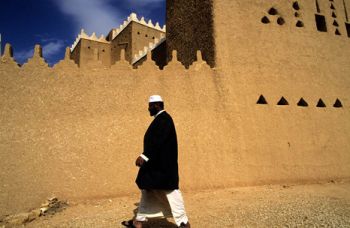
(139, 161)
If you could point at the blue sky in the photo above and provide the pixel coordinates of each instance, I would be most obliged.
(55, 24)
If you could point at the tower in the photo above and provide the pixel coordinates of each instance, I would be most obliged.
(190, 28)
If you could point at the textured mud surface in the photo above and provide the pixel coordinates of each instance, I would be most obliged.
(318, 205)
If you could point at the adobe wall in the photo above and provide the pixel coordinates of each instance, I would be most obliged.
(189, 28)
(75, 132)
(133, 39)
(242, 39)
(142, 36)
(75, 54)
(293, 142)
(89, 50)
(122, 41)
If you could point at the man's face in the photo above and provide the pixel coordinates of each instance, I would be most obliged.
(152, 108)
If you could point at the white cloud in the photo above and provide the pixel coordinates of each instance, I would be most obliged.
(92, 15)
(50, 49)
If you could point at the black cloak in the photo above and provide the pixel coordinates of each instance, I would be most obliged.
(160, 146)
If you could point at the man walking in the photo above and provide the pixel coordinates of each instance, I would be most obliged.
(158, 177)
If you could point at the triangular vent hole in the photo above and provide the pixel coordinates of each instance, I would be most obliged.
(337, 104)
(265, 20)
(283, 101)
(261, 100)
(302, 103)
(300, 24)
(320, 104)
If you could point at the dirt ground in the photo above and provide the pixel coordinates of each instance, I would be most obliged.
(316, 205)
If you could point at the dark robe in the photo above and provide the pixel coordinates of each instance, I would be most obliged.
(160, 146)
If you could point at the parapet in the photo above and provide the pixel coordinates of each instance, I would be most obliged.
(67, 62)
(93, 37)
(149, 48)
(8, 53)
(133, 18)
(38, 61)
(117, 31)
(7, 58)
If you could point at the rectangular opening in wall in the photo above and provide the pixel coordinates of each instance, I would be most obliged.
(321, 23)
(347, 25)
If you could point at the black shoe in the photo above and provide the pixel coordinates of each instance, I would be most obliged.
(183, 225)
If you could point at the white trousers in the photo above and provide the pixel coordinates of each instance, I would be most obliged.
(161, 203)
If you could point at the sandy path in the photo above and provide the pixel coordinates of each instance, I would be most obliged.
(317, 205)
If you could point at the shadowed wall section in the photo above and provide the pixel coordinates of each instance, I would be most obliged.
(189, 28)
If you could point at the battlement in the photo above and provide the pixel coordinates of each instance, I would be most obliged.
(93, 37)
(133, 18)
(115, 32)
(7, 60)
(127, 36)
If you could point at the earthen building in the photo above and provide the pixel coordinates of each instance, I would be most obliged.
(265, 101)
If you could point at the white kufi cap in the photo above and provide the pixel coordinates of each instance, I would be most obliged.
(155, 98)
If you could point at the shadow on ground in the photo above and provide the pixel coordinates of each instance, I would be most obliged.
(155, 222)
(159, 223)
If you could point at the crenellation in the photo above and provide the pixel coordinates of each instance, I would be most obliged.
(102, 38)
(142, 21)
(37, 62)
(67, 54)
(157, 26)
(199, 64)
(67, 65)
(93, 37)
(174, 64)
(133, 18)
(7, 58)
(127, 37)
(148, 64)
(8, 52)
(38, 51)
